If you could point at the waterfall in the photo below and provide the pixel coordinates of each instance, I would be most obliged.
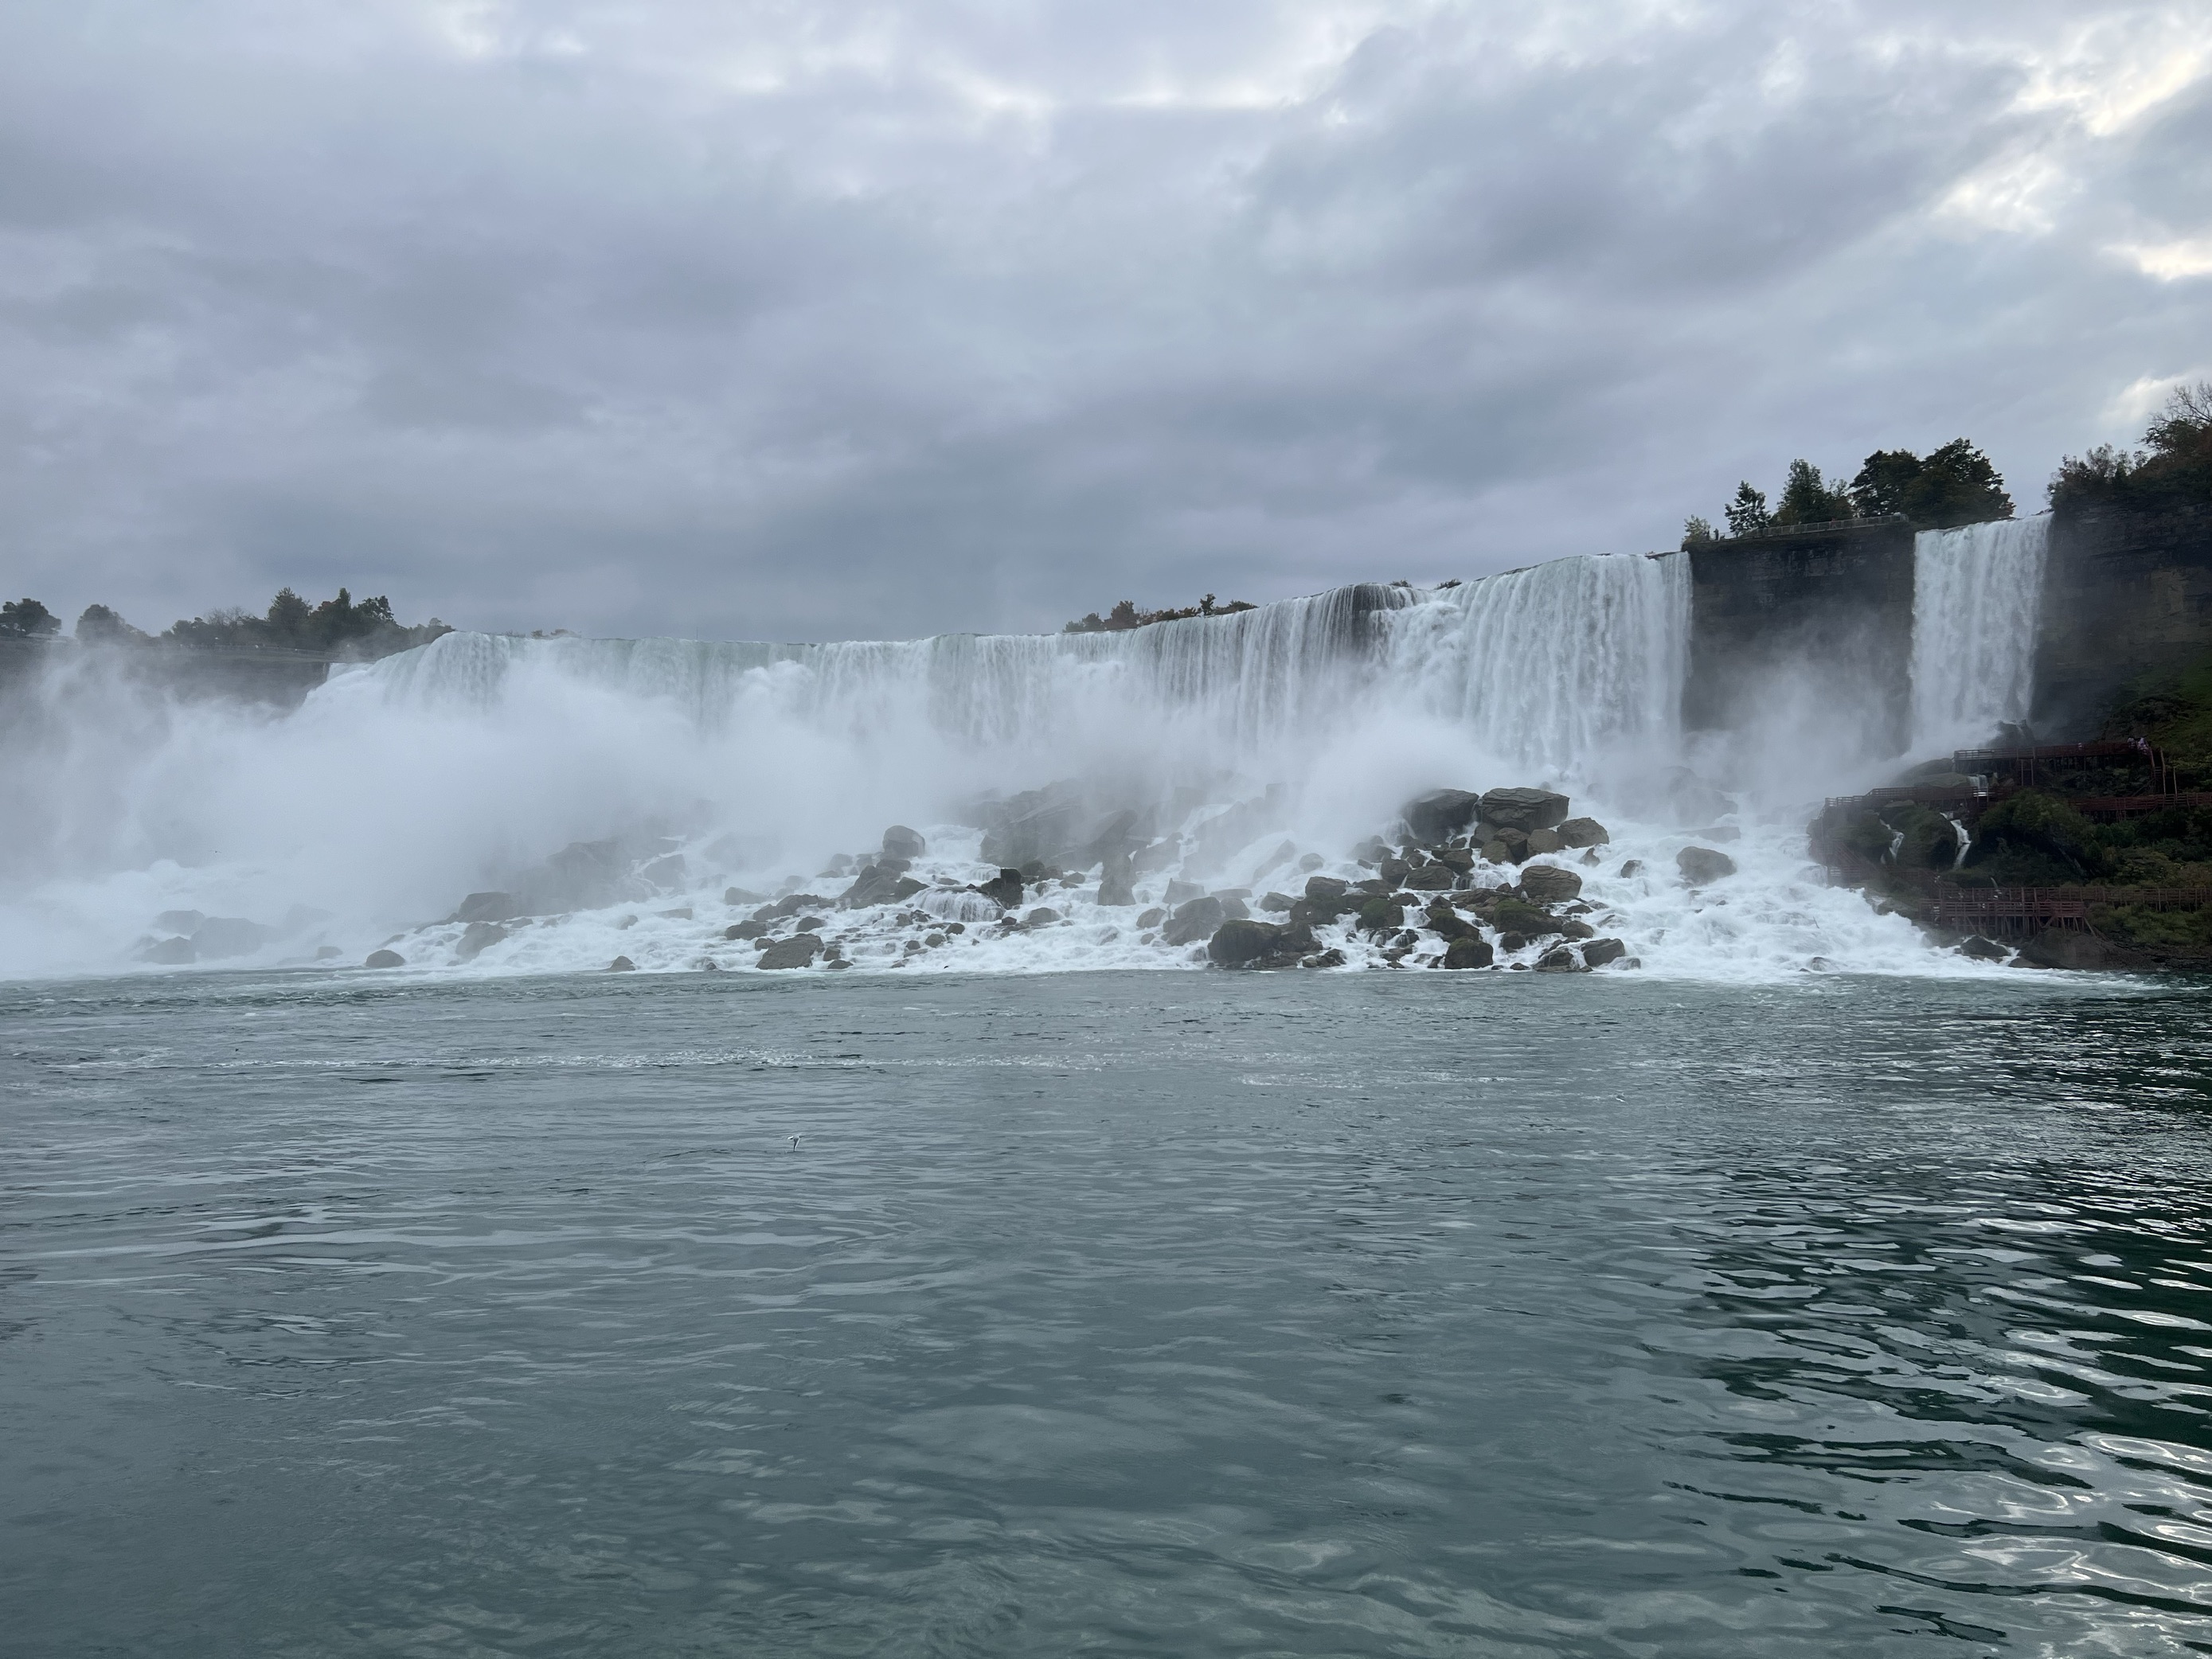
(1976, 600)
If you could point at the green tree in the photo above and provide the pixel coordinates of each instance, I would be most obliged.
(1807, 499)
(1880, 489)
(1957, 485)
(288, 617)
(1748, 512)
(27, 619)
(1695, 530)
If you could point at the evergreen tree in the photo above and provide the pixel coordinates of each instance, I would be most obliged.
(1748, 512)
(1957, 485)
(1880, 490)
(1807, 499)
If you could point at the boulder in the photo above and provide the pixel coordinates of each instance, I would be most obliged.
(1194, 919)
(1325, 888)
(1470, 950)
(1700, 864)
(1524, 809)
(1241, 943)
(585, 875)
(1447, 922)
(1005, 889)
(478, 937)
(1455, 858)
(900, 843)
(1153, 918)
(1432, 879)
(1441, 813)
(1547, 884)
(1599, 951)
(173, 952)
(1116, 881)
(1512, 942)
(1329, 958)
(1544, 841)
(384, 959)
(1574, 929)
(1559, 960)
(742, 896)
(808, 925)
(744, 930)
(1182, 893)
(1582, 832)
(622, 965)
(1380, 915)
(179, 922)
(1506, 846)
(878, 883)
(1513, 915)
(797, 952)
(1983, 950)
(1371, 851)
(1631, 866)
(1043, 916)
(487, 907)
(1036, 825)
(1276, 903)
(1237, 943)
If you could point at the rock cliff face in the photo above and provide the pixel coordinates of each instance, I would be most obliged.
(1827, 608)
(2126, 594)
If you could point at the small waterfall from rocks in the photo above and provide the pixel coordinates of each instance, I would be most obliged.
(1977, 599)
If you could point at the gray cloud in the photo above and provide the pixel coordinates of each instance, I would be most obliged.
(813, 321)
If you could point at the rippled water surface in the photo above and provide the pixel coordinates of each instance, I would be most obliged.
(1189, 1314)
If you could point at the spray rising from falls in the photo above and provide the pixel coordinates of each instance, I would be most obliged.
(1976, 601)
(674, 803)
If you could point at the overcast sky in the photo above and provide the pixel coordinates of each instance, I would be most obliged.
(812, 320)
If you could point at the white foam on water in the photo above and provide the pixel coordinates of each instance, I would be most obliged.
(1252, 742)
(1976, 603)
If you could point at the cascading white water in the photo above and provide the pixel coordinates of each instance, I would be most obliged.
(1254, 744)
(1977, 602)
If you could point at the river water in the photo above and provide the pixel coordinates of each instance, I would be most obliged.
(1193, 1313)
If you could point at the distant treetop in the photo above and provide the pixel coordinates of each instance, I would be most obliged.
(1125, 615)
(1951, 486)
(2173, 468)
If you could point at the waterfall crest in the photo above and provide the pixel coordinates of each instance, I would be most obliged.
(1976, 603)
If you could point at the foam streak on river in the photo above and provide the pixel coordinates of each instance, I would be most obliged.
(1204, 1314)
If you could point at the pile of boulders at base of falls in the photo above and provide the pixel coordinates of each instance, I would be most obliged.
(1431, 897)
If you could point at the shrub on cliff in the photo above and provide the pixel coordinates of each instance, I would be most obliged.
(2174, 468)
(2033, 840)
(1748, 512)
(2173, 711)
(1955, 484)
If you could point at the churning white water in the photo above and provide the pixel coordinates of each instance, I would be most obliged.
(1249, 752)
(1977, 599)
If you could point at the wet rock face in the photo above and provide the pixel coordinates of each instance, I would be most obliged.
(1248, 944)
(488, 907)
(1546, 884)
(900, 843)
(879, 883)
(1470, 951)
(622, 965)
(1559, 960)
(1701, 865)
(479, 937)
(1117, 881)
(1518, 917)
(384, 959)
(744, 930)
(1193, 920)
(1442, 813)
(1005, 889)
(1983, 950)
(1599, 951)
(1447, 923)
(174, 952)
(797, 952)
(1524, 809)
(1582, 832)
(1432, 879)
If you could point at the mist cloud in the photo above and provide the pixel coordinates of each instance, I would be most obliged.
(783, 321)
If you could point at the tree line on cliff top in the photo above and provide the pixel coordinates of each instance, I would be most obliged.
(1955, 484)
(342, 626)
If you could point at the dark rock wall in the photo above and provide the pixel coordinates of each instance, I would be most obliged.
(2126, 594)
(1808, 628)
